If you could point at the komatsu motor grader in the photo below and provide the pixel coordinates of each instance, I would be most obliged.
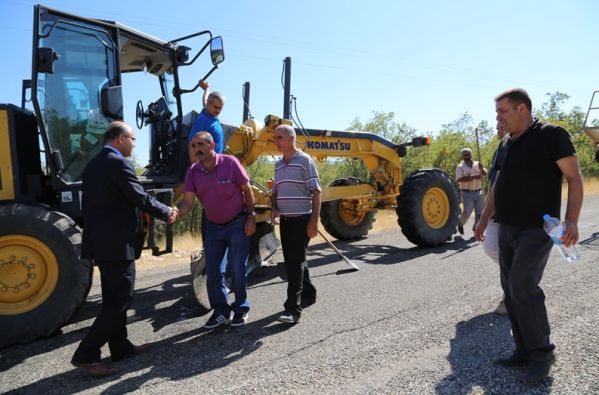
(80, 72)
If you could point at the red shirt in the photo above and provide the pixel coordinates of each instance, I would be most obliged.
(219, 190)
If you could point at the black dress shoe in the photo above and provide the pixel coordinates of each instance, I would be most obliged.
(307, 302)
(514, 360)
(96, 369)
(135, 351)
(538, 370)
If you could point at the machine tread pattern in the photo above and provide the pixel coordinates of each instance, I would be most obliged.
(62, 235)
(410, 207)
(335, 225)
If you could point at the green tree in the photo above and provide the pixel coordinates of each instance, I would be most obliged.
(139, 169)
(381, 124)
(262, 169)
(444, 152)
(573, 122)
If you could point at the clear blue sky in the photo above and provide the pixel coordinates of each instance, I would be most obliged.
(427, 61)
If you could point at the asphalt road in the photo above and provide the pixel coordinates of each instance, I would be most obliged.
(412, 320)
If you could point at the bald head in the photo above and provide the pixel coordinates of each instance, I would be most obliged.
(116, 129)
(121, 137)
(286, 129)
(285, 140)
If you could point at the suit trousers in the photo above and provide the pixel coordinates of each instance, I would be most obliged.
(294, 240)
(523, 255)
(118, 281)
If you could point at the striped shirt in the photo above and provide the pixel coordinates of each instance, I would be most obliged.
(294, 182)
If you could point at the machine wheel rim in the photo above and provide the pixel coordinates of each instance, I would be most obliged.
(348, 213)
(435, 207)
(28, 273)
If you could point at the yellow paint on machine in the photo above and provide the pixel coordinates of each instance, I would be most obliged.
(7, 186)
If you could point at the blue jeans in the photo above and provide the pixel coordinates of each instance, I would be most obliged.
(219, 239)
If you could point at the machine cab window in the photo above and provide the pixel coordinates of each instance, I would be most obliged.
(68, 93)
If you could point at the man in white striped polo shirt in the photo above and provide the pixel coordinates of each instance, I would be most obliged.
(296, 200)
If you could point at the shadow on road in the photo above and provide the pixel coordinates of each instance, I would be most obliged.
(591, 242)
(322, 254)
(177, 291)
(174, 358)
(476, 344)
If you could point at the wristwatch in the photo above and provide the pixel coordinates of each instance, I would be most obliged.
(253, 213)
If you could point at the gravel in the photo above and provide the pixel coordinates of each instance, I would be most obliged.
(412, 320)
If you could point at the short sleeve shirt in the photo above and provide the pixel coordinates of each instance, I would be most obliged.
(464, 170)
(205, 122)
(219, 190)
(530, 182)
(294, 182)
(498, 158)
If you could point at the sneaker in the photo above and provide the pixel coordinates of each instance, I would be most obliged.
(461, 229)
(500, 309)
(288, 318)
(217, 320)
(239, 319)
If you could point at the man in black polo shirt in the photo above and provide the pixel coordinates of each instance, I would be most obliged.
(528, 186)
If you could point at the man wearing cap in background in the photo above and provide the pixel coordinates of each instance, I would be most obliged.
(469, 174)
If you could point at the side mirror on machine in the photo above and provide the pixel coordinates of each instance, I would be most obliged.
(217, 51)
(111, 101)
(45, 60)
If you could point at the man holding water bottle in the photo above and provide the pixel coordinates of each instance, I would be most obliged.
(527, 187)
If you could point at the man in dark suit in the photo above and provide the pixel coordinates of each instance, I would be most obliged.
(113, 202)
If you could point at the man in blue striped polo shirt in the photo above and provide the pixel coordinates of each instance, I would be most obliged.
(296, 200)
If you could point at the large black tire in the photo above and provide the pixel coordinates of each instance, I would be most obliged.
(340, 219)
(262, 243)
(198, 280)
(42, 279)
(428, 208)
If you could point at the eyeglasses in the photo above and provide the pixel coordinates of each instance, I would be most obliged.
(130, 137)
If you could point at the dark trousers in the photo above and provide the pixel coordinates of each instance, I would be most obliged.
(523, 255)
(118, 281)
(294, 240)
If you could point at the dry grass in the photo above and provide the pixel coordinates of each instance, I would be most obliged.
(385, 219)
(591, 186)
(188, 241)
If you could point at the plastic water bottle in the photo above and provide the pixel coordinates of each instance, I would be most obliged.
(555, 230)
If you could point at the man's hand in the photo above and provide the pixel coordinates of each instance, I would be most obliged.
(203, 84)
(479, 230)
(570, 235)
(274, 216)
(250, 225)
(312, 227)
(173, 216)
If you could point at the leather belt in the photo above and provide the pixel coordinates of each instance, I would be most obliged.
(470, 190)
(242, 213)
(294, 217)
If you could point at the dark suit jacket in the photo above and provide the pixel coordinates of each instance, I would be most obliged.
(113, 201)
